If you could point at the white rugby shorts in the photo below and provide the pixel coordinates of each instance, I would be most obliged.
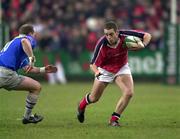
(109, 76)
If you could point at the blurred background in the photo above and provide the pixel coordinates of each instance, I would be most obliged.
(68, 31)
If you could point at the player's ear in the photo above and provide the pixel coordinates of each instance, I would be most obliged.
(117, 33)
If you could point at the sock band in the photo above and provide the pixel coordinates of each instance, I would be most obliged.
(87, 99)
(27, 101)
(116, 114)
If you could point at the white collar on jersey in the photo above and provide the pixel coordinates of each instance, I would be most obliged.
(20, 36)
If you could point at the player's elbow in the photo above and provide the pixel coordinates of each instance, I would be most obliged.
(129, 93)
(149, 36)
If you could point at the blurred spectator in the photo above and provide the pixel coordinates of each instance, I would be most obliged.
(77, 42)
(73, 25)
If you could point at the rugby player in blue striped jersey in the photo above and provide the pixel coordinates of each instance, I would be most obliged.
(18, 54)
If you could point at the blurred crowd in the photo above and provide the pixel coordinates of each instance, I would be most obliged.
(76, 25)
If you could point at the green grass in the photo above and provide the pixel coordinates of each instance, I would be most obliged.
(154, 113)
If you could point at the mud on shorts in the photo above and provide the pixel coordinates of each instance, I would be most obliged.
(109, 77)
(9, 79)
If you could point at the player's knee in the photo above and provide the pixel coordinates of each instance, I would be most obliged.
(38, 88)
(129, 93)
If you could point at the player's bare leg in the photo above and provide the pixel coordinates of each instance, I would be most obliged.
(94, 96)
(97, 90)
(34, 88)
(125, 82)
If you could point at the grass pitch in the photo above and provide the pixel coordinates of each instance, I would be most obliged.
(154, 113)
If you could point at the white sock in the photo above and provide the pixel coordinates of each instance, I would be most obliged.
(30, 103)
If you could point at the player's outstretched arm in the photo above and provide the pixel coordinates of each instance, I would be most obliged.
(46, 69)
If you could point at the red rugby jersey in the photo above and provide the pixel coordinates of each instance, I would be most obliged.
(113, 59)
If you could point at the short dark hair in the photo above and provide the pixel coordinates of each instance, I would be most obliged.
(111, 25)
(26, 29)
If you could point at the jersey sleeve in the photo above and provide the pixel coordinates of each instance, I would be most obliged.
(132, 33)
(97, 56)
(32, 41)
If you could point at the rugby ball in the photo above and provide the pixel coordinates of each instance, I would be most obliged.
(131, 41)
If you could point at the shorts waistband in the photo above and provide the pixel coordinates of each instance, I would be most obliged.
(5, 69)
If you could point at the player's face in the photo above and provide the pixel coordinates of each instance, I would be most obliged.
(32, 34)
(35, 35)
(111, 36)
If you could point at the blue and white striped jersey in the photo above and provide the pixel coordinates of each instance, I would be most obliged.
(12, 56)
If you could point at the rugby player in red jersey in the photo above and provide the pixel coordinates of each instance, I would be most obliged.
(110, 63)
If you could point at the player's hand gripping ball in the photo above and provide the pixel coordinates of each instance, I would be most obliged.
(133, 43)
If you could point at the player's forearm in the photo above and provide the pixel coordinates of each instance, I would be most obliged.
(141, 43)
(33, 69)
(146, 37)
(45, 69)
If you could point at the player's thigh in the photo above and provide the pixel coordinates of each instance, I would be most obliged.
(98, 88)
(29, 84)
(125, 82)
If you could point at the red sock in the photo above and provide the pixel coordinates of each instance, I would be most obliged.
(83, 103)
(114, 118)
